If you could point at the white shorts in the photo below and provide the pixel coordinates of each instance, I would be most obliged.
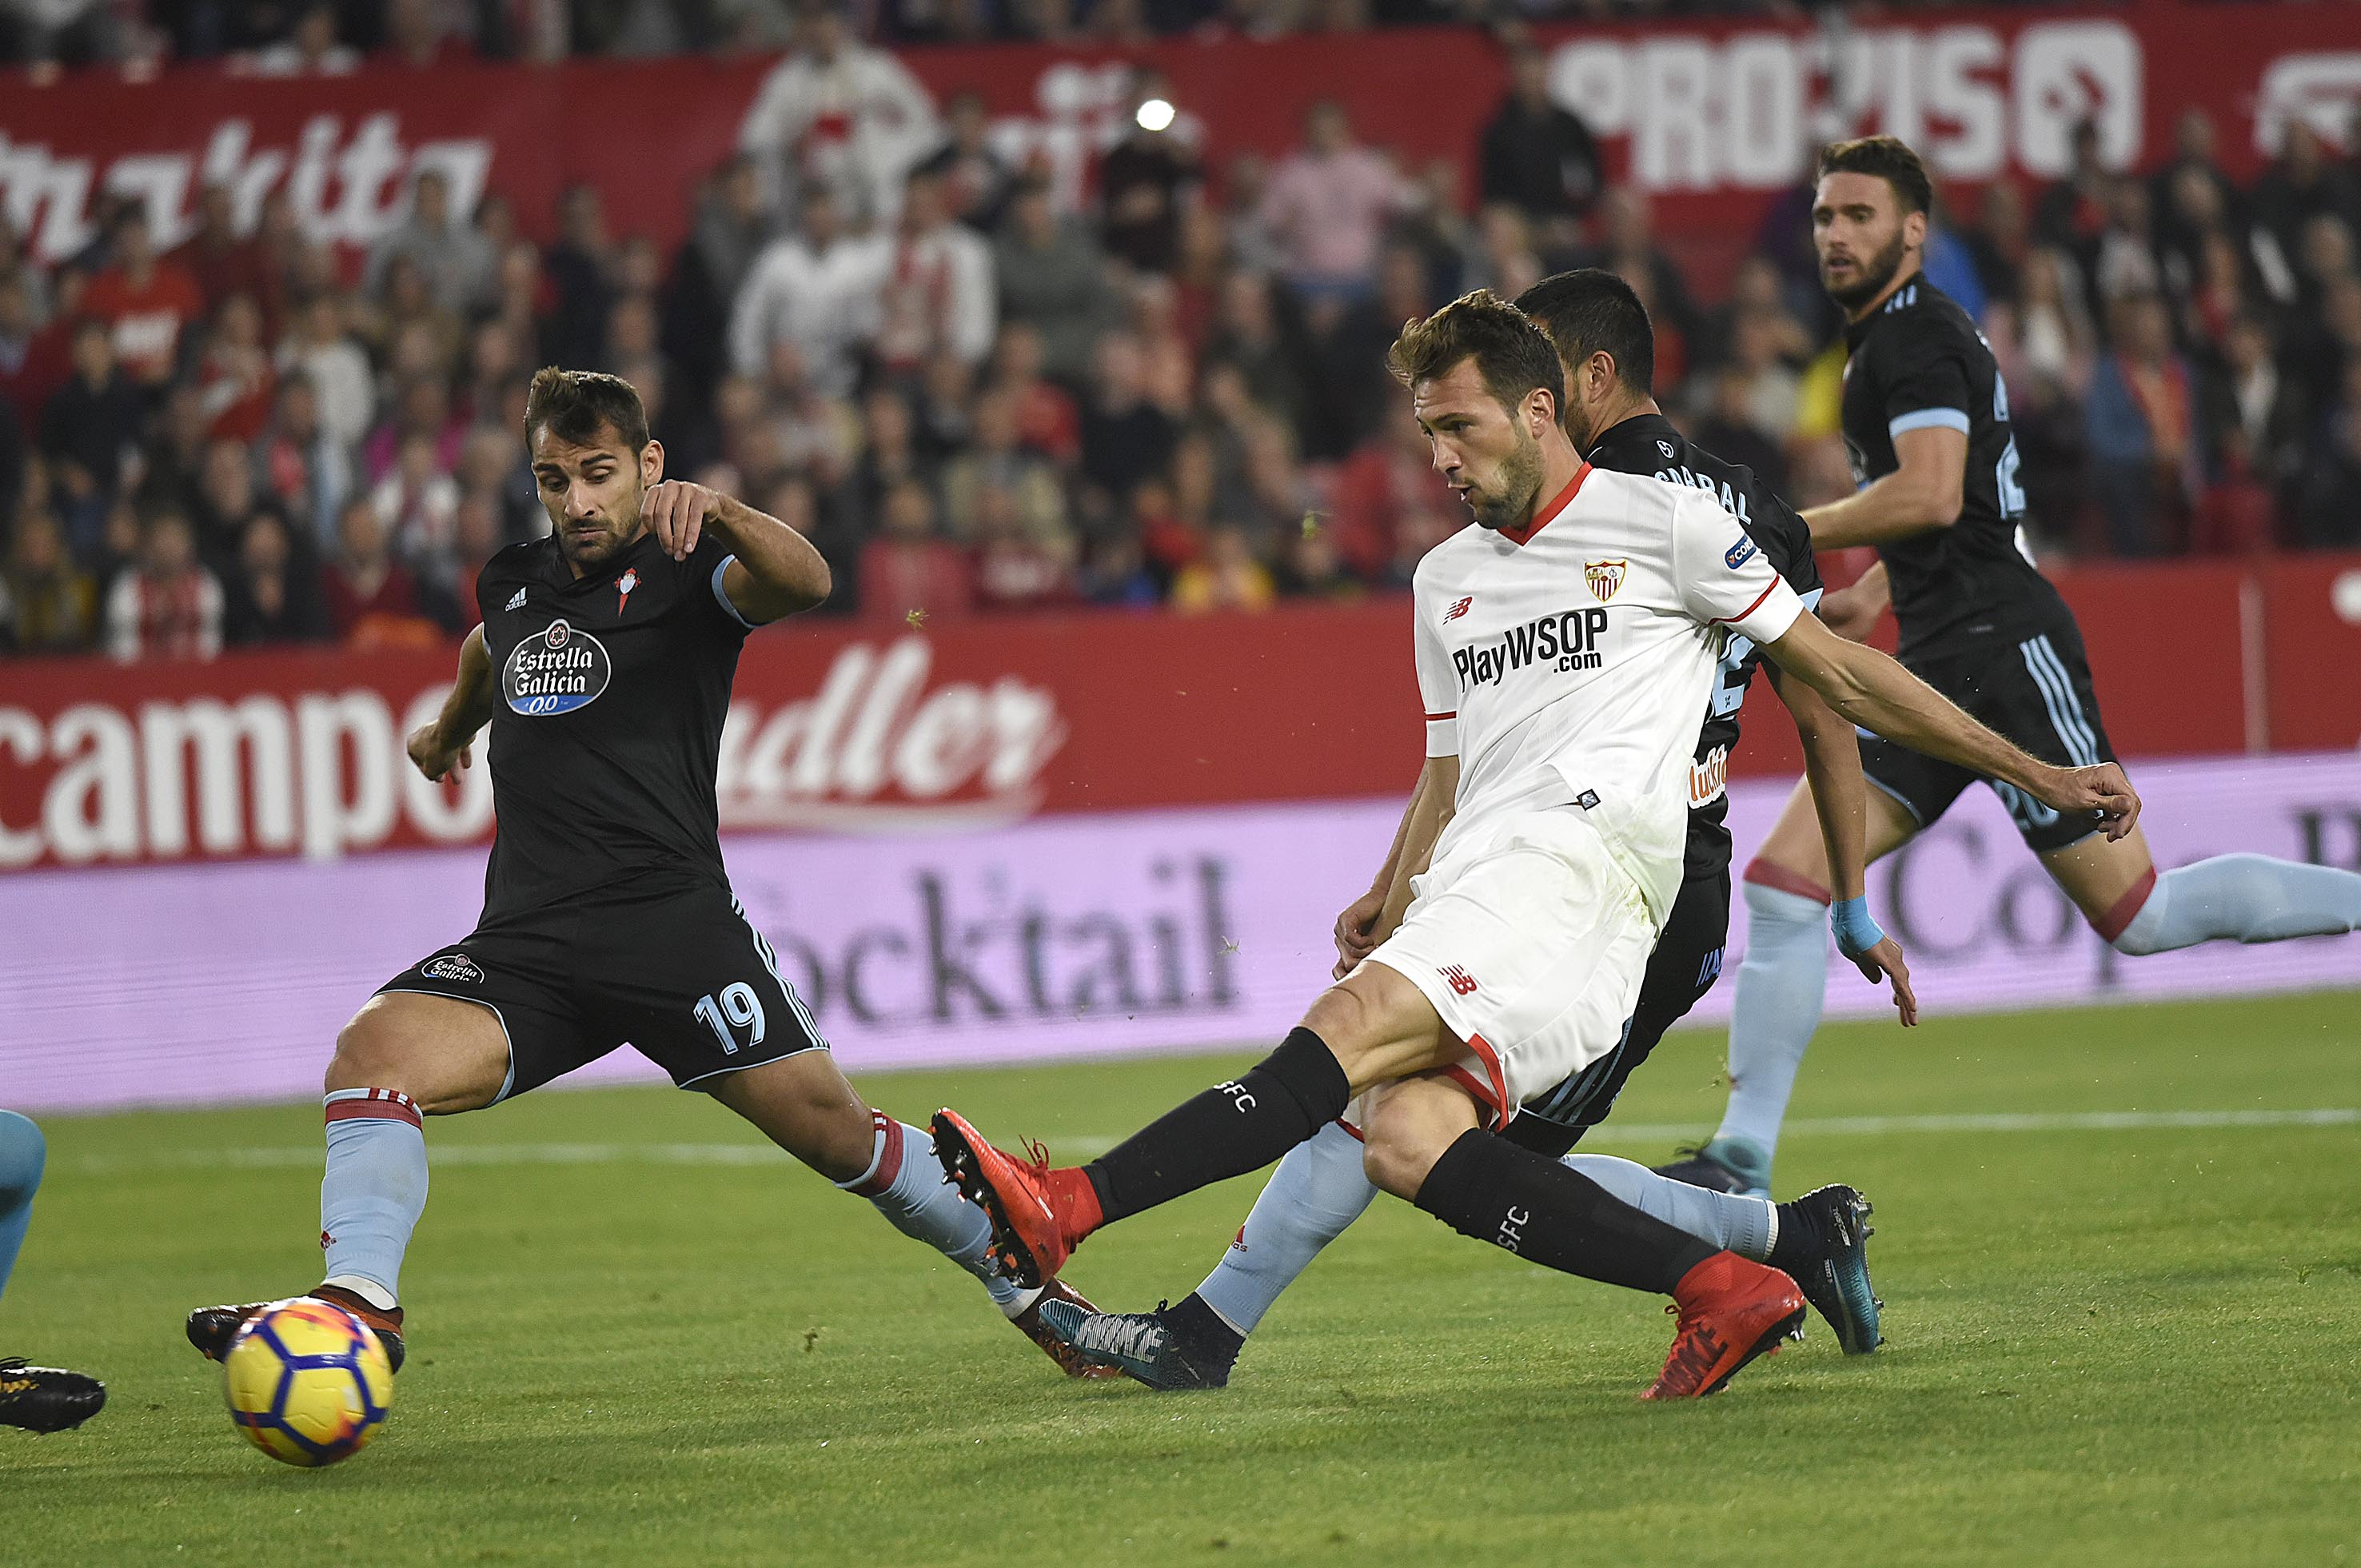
(1532, 946)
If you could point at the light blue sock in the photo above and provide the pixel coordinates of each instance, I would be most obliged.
(1781, 987)
(23, 1152)
(906, 1181)
(1746, 1226)
(1316, 1193)
(373, 1191)
(2251, 898)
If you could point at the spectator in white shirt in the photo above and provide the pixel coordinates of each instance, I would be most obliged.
(938, 289)
(843, 115)
(819, 290)
(337, 366)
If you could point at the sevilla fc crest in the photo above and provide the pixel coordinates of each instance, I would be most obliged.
(627, 582)
(1605, 577)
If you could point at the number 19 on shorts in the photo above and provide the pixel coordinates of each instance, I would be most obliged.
(738, 1008)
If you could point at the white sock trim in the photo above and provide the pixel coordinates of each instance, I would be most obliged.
(1016, 1306)
(1771, 1240)
(369, 1291)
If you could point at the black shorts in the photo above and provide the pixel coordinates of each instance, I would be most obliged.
(1684, 964)
(2032, 689)
(671, 967)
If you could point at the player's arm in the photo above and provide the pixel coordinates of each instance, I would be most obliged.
(1840, 797)
(450, 738)
(1881, 697)
(1924, 493)
(776, 572)
(1371, 918)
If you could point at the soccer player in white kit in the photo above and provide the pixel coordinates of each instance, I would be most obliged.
(1564, 649)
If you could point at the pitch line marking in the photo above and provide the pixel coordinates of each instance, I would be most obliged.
(270, 1158)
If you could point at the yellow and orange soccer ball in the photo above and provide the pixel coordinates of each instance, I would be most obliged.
(307, 1382)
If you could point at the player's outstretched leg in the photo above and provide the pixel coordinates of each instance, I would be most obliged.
(404, 1055)
(1316, 1193)
(1424, 1145)
(1371, 1028)
(2245, 898)
(38, 1399)
(806, 1106)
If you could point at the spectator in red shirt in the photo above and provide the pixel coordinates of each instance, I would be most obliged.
(221, 262)
(236, 377)
(145, 302)
(372, 599)
(1046, 419)
(906, 572)
(165, 606)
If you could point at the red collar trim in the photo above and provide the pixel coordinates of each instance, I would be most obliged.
(1544, 516)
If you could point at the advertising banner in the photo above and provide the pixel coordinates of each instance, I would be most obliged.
(1710, 118)
(1099, 935)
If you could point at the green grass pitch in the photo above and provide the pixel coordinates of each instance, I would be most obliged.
(2137, 1344)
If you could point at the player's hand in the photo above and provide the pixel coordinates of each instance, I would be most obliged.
(436, 756)
(1850, 614)
(2102, 792)
(675, 511)
(1356, 931)
(1883, 962)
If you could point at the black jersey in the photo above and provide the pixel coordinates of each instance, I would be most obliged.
(610, 698)
(1918, 361)
(1650, 444)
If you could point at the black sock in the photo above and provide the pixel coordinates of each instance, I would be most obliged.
(1801, 1241)
(1229, 1130)
(1488, 1187)
(1211, 1345)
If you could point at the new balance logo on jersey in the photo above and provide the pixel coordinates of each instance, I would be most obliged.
(1462, 984)
(1569, 639)
(516, 600)
(1458, 610)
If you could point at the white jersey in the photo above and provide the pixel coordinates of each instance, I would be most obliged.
(1564, 664)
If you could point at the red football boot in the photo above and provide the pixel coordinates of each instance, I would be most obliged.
(1732, 1311)
(1038, 1215)
(1070, 1360)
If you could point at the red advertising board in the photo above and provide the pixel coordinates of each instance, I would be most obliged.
(846, 727)
(1710, 118)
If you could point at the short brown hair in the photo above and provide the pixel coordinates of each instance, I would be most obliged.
(1511, 352)
(1884, 158)
(573, 405)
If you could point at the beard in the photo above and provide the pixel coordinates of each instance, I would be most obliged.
(1511, 503)
(588, 552)
(1875, 274)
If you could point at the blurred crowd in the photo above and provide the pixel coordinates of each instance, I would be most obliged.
(973, 399)
(286, 37)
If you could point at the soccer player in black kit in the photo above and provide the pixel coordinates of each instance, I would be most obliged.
(1608, 348)
(1927, 424)
(603, 666)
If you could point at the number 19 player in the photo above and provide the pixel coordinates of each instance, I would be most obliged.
(603, 666)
